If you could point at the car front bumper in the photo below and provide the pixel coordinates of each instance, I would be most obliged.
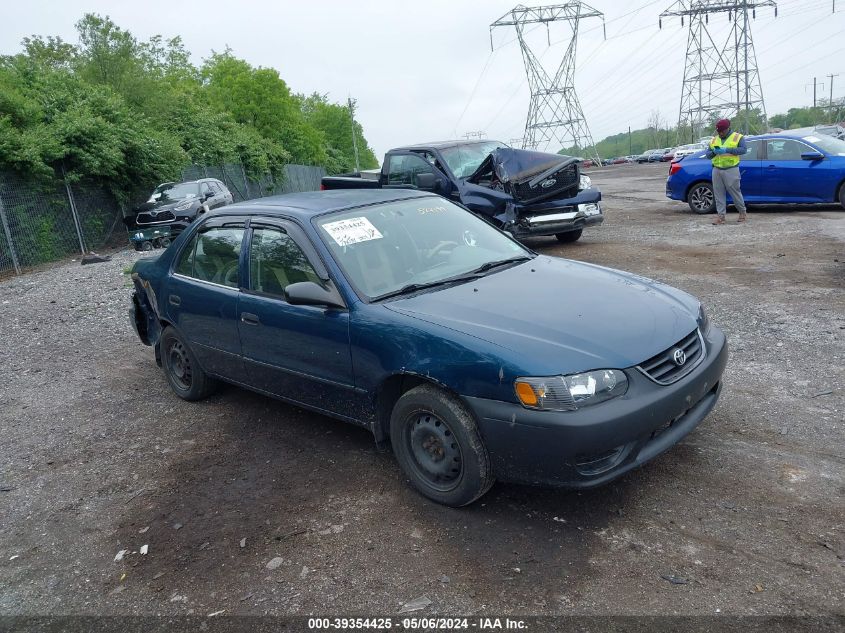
(567, 219)
(594, 445)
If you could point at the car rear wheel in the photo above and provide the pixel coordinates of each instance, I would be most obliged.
(842, 195)
(701, 199)
(186, 377)
(438, 446)
(569, 236)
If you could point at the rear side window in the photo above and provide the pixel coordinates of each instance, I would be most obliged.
(276, 261)
(753, 152)
(213, 256)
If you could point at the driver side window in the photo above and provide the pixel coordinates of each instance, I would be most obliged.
(403, 169)
(276, 261)
(213, 256)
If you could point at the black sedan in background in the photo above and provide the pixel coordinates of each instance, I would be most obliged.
(177, 204)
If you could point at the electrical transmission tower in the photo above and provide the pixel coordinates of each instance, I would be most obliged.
(720, 79)
(554, 114)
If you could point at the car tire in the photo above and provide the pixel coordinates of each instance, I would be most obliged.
(146, 246)
(842, 195)
(569, 236)
(165, 242)
(183, 372)
(701, 199)
(438, 446)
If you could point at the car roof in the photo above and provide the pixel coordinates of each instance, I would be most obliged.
(308, 204)
(445, 144)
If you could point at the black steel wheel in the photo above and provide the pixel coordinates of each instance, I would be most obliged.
(701, 199)
(438, 446)
(186, 377)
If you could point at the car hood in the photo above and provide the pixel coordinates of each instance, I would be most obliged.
(162, 205)
(519, 165)
(561, 316)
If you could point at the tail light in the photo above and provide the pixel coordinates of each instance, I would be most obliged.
(322, 187)
(674, 168)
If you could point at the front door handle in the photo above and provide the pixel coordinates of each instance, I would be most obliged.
(249, 318)
(174, 300)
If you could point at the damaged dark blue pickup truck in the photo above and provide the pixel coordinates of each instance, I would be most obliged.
(519, 191)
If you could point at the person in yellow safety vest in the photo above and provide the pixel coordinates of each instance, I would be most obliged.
(724, 152)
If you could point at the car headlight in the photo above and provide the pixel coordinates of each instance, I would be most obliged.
(184, 206)
(585, 182)
(703, 320)
(568, 393)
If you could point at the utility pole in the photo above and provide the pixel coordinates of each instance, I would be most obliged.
(721, 78)
(630, 146)
(554, 112)
(830, 103)
(815, 85)
(351, 103)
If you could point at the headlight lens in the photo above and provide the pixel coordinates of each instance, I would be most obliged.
(585, 183)
(184, 206)
(568, 393)
(703, 320)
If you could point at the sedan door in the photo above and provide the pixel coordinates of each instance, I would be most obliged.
(751, 170)
(298, 352)
(789, 178)
(202, 296)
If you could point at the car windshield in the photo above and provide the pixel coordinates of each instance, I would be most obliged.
(828, 144)
(463, 160)
(180, 191)
(397, 247)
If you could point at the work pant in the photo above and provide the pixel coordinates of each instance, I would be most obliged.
(727, 180)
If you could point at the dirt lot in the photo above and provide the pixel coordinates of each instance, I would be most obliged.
(747, 514)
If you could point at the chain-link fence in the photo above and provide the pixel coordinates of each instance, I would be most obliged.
(43, 221)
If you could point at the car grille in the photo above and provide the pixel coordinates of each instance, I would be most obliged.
(149, 218)
(664, 370)
(565, 185)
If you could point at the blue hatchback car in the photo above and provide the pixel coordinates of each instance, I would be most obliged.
(778, 169)
(402, 312)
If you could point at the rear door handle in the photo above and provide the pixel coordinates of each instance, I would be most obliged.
(174, 300)
(249, 318)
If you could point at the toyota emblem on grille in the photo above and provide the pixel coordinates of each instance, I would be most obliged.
(153, 213)
(679, 357)
(548, 182)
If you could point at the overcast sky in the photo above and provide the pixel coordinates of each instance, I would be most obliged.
(424, 71)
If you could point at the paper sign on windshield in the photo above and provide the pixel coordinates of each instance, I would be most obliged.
(352, 231)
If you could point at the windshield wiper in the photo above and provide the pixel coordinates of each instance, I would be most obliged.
(501, 262)
(467, 276)
(414, 287)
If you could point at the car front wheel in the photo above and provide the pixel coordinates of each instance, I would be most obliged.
(842, 195)
(438, 446)
(701, 199)
(186, 377)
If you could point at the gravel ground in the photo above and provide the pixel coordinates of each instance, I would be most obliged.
(252, 506)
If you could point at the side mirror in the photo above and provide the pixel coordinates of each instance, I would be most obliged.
(207, 195)
(307, 293)
(428, 181)
(812, 156)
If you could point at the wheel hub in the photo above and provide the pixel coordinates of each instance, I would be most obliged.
(179, 365)
(435, 450)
